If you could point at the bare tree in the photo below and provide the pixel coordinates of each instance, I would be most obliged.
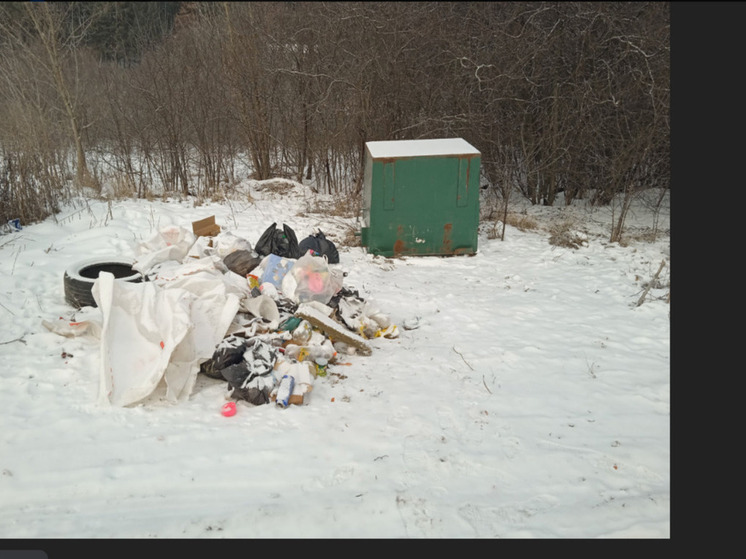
(59, 43)
(248, 58)
(567, 97)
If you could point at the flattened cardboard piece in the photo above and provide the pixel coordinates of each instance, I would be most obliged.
(205, 227)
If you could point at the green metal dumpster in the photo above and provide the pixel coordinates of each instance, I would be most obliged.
(421, 197)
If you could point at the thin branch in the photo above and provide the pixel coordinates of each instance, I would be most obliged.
(7, 309)
(485, 384)
(16, 340)
(650, 283)
(462, 357)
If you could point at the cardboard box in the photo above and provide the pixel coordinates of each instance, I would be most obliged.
(206, 227)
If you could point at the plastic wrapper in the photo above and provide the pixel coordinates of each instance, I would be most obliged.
(311, 279)
(275, 268)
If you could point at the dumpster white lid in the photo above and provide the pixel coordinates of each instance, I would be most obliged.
(419, 148)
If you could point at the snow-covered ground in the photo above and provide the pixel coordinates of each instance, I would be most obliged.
(528, 397)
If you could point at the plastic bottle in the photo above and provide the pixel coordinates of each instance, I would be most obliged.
(312, 352)
(285, 390)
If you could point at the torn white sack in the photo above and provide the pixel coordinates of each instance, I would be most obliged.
(170, 243)
(154, 338)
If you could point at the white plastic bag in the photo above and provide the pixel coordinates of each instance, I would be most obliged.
(170, 243)
(313, 280)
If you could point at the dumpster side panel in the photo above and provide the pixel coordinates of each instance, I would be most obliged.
(367, 199)
(423, 205)
(367, 188)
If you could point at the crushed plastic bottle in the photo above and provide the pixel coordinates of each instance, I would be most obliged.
(313, 352)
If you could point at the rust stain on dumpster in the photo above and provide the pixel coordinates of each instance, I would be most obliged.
(399, 245)
(447, 228)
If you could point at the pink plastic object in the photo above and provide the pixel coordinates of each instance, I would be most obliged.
(229, 409)
(315, 283)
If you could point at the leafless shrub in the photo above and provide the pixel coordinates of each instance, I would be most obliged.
(565, 97)
(346, 207)
(563, 234)
(276, 186)
(123, 187)
(351, 237)
(522, 221)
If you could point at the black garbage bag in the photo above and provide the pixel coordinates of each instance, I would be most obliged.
(228, 352)
(254, 390)
(251, 378)
(282, 242)
(242, 262)
(344, 293)
(320, 245)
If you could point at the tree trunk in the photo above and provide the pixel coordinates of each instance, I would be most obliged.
(47, 30)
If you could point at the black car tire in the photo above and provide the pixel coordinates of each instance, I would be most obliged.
(78, 279)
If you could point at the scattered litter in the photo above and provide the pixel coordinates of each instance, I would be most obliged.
(87, 321)
(358, 315)
(311, 279)
(269, 322)
(228, 352)
(284, 390)
(169, 244)
(205, 227)
(275, 268)
(263, 307)
(72, 329)
(332, 328)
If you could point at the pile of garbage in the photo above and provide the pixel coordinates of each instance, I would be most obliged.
(268, 320)
(296, 322)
